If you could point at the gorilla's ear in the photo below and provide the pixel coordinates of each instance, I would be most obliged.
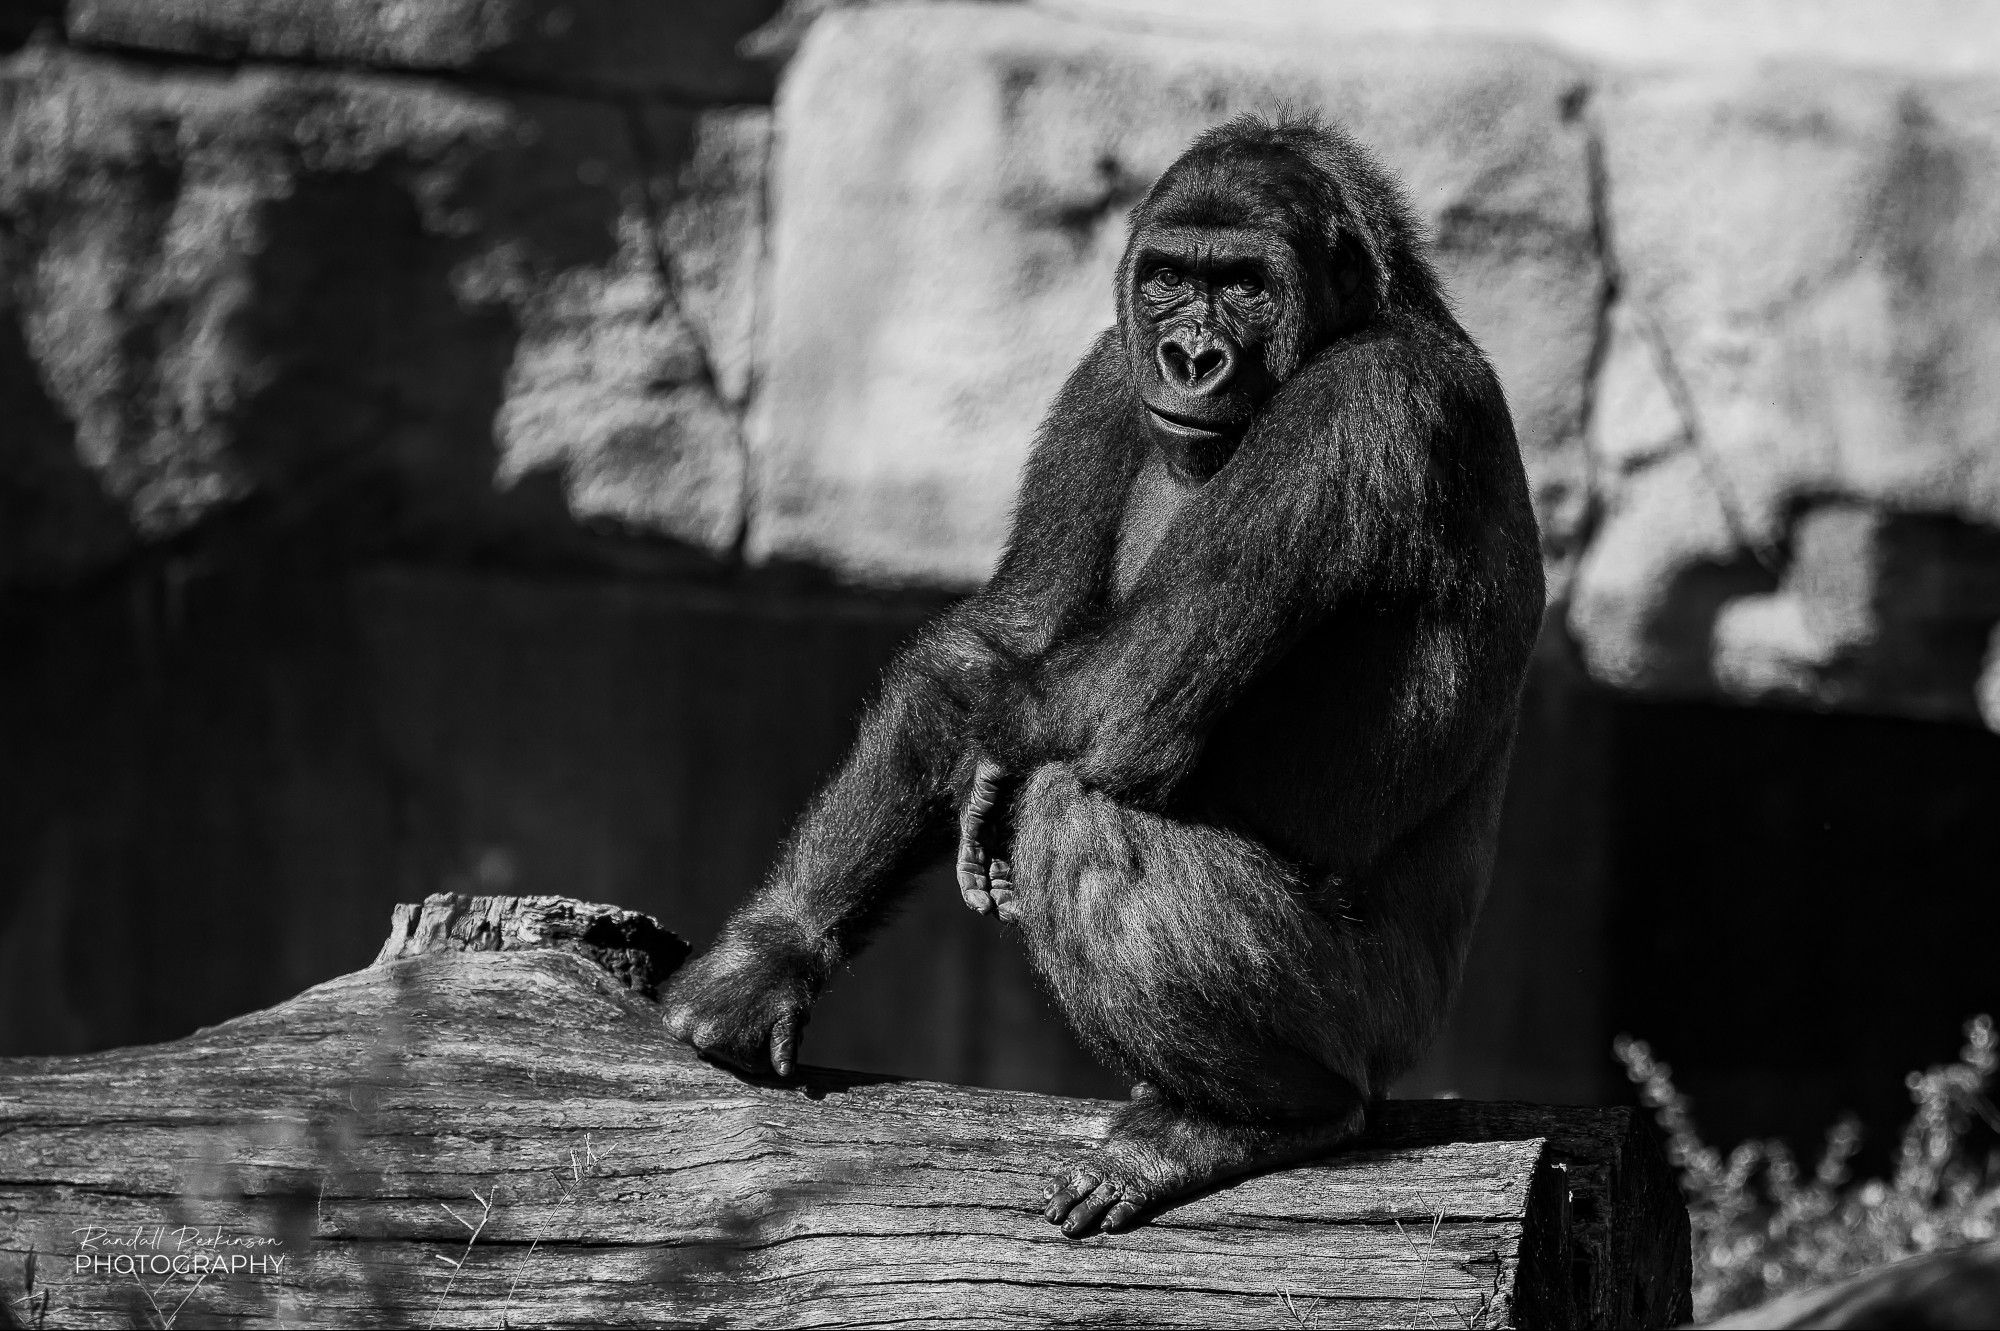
(1358, 272)
(1350, 276)
(1357, 239)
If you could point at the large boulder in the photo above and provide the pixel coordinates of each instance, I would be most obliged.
(1798, 430)
(1943, 36)
(951, 191)
(687, 48)
(303, 295)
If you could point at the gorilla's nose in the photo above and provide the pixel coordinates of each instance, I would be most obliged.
(1198, 364)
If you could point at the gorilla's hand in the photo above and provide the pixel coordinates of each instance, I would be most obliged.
(985, 880)
(744, 1002)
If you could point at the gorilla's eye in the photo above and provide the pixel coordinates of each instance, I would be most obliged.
(1247, 286)
(1167, 277)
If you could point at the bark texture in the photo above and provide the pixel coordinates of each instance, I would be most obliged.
(489, 1127)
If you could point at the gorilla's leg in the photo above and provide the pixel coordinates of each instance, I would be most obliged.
(1262, 1013)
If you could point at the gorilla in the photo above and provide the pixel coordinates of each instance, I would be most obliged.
(1223, 741)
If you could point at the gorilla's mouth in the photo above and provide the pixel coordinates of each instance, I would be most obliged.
(1189, 428)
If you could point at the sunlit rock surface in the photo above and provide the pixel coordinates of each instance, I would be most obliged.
(688, 49)
(1798, 437)
(953, 185)
(506, 280)
(372, 305)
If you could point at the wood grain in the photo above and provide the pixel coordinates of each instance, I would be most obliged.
(488, 1137)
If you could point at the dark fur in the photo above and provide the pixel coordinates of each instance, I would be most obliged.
(1257, 700)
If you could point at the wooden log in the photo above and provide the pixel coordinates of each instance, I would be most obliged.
(489, 1127)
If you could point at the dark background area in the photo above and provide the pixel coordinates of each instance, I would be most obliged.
(1805, 904)
(217, 784)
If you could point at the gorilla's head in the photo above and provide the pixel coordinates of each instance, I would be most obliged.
(1248, 256)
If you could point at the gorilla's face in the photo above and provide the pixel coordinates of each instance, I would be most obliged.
(1204, 304)
(1226, 293)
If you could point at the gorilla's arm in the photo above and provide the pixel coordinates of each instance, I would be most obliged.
(889, 807)
(886, 810)
(1233, 582)
(1365, 480)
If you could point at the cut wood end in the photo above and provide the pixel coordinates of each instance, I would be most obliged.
(635, 948)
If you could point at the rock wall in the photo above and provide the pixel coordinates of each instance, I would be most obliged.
(497, 277)
(397, 311)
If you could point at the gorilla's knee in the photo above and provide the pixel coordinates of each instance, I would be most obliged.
(1051, 793)
(1060, 827)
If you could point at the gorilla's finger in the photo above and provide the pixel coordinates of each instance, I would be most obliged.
(1078, 1187)
(1083, 1217)
(1122, 1216)
(784, 1044)
(1000, 887)
(986, 790)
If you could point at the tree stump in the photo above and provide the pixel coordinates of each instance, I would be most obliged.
(488, 1126)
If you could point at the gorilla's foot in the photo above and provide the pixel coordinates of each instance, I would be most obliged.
(1158, 1152)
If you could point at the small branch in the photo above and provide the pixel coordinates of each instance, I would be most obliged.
(485, 1213)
